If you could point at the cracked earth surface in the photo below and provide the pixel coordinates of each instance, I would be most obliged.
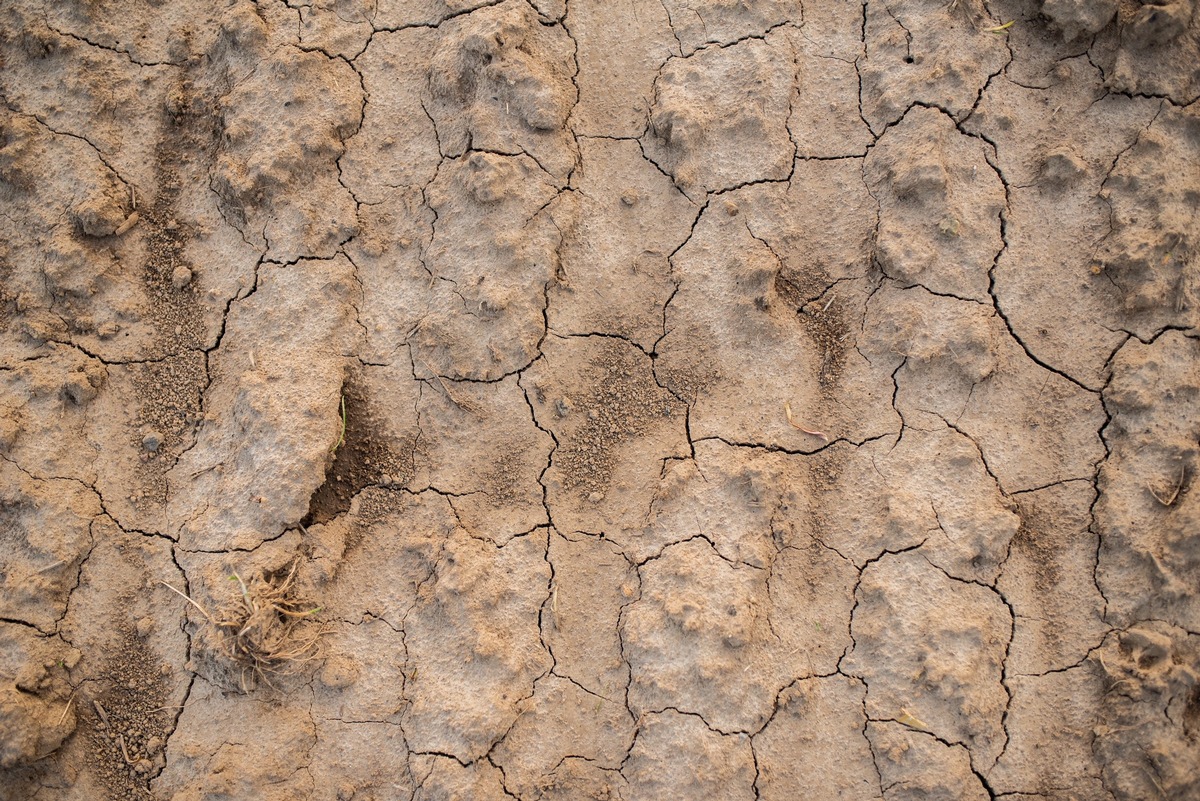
(698, 399)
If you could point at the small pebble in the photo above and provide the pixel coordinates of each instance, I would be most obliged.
(152, 441)
(181, 277)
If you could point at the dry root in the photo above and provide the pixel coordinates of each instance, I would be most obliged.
(267, 631)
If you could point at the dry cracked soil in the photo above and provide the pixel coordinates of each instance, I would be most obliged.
(599, 399)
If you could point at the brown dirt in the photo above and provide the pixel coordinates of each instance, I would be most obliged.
(582, 272)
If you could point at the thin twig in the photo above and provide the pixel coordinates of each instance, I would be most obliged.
(186, 598)
(100, 711)
(1174, 496)
(787, 408)
(67, 708)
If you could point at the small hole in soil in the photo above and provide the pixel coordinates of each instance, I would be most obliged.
(363, 458)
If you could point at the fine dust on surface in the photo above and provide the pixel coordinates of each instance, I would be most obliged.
(507, 323)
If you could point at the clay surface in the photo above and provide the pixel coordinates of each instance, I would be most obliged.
(600, 399)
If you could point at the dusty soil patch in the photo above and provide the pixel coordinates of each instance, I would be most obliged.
(568, 399)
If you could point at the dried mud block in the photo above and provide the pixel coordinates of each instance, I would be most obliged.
(933, 647)
(1154, 49)
(393, 14)
(137, 429)
(397, 145)
(577, 779)
(35, 715)
(916, 766)
(562, 720)
(276, 381)
(956, 363)
(1149, 544)
(236, 746)
(341, 28)
(1049, 580)
(698, 23)
(822, 719)
(1155, 211)
(820, 225)
(940, 206)
(45, 401)
(359, 760)
(679, 755)
(929, 489)
(47, 535)
(615, 276)
(825, 122)
(751, 507)
(95, 95)
(701, 638)
(388, 256)
(120, 598)
(754, 330)
(1146, 739)
(927, 52)
(473, 640)
(67, 274)
(621, 45)
(361, 674)
(1079, 18)
(377, 556)
(834, 29)
(730, 496)
(440, 778)
(495, 248)
(593, 583)
(613, 426)
(500, 81)
(1040, 54)
(481, 445)
(698, 636)
(720, 117)
(1053, 725)
(163, 34)
(284, 129)
(132, 674)
(1057, 146)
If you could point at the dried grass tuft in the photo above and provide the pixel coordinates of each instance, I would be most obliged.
(264, 630)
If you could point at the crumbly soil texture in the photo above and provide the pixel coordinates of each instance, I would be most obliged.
(599, 399)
